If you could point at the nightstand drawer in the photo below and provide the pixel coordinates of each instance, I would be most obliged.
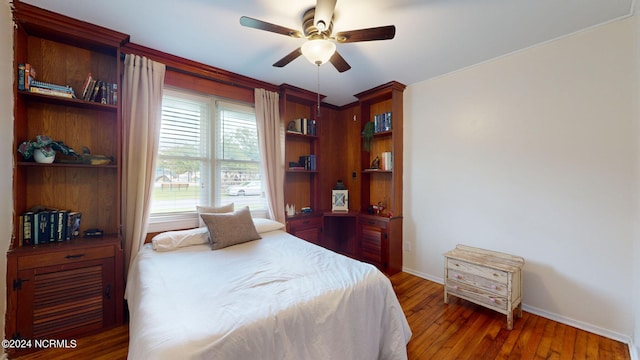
(304, 223)
(495, 287)
(68, 256)
(477, 295)
(494, 275)
(370, 221)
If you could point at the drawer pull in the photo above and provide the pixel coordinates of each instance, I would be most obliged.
(306, 222)
(371, 222)
(494, 287)
(74, 256)
(492, 299)
(455, 287)
(458, 276)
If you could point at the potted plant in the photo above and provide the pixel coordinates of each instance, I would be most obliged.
(367, 135)
(43, 149)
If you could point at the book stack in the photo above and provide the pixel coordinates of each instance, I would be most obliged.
(308, 162)
(386, 163)
(27, 82)
(382, 122)
(303, 126)
(103, 92)
(51, 225)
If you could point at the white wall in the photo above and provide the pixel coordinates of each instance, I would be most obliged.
(6, 143)
(534, 154)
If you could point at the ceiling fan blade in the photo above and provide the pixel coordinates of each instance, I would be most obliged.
(324, 14)
(288, 58)
(370, 34)
(262, 25)
(339, 62)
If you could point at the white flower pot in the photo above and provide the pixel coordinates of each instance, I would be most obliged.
(40, 157)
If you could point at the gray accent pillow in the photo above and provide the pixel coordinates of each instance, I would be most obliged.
(212, 209)
(226, 229)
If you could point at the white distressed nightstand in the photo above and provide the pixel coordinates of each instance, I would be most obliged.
(487, 278)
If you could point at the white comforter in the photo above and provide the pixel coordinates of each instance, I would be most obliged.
(275, 298)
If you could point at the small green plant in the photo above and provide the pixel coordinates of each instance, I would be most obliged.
(47, 146)
(367, 135)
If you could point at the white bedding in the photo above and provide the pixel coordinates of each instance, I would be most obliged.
(275, 298)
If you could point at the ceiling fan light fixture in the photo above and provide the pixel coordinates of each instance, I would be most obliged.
(318, 51)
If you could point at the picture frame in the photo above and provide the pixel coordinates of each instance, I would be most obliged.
(340, 200)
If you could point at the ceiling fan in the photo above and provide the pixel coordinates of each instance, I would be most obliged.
(317, 25)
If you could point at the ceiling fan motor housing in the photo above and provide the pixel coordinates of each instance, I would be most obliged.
(310, 29)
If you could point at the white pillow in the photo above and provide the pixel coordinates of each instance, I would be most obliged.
(212, 209)
(171, 240)
(265, 225)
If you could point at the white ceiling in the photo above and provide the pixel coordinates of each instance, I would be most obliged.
(433, 37)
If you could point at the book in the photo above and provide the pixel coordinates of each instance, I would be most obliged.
(90, 87)
(50, 92)
(46, 85)
(103, 92)
(27, 228)
(42, 227)
(387, 161)
(61, 225)
(85, 85)
(21, 83)
(114, 94)
(29, 75)
(73, 224)
(96, 90)
(53, 227)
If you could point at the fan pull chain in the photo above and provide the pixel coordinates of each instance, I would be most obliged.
(318, 110)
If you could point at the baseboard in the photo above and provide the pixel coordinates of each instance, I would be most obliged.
(578, 324)
(633, 350)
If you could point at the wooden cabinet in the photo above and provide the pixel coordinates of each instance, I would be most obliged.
(484, 277)
(64, 51)
(63, 290)
(381, 230)
(307, 227)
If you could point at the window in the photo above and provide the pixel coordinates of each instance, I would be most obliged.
(208, 154)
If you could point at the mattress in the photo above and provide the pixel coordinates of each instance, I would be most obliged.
(279, 297)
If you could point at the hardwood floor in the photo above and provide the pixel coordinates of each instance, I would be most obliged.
(459, 330)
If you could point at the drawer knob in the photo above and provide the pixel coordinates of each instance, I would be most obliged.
(494, 287)
(492, 299)
(458, 276)
(454, 287)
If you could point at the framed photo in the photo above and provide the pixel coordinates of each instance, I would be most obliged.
(340, 200)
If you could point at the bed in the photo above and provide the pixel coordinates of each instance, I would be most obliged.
(278, 297)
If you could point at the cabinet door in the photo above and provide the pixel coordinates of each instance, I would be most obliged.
(311, 235)
(67, 300)
(371, 244)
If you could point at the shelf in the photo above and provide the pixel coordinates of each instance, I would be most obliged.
(73, 165)
(301, 135)
(302, 171)
(59, 100)
(383, 133)
(74, 242)
(378, 171)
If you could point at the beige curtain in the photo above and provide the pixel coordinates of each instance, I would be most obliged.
(141, 115)
(271, 140)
